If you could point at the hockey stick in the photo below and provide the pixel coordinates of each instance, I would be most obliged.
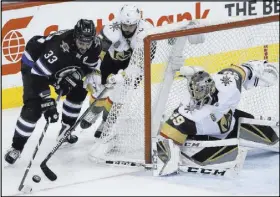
(21, 185)
(46, 170)
(127, 163)
(121, 163)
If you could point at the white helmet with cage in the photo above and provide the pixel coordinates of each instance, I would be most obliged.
(129, 17)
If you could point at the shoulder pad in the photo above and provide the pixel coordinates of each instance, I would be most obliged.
(145, 24)
(112, 31)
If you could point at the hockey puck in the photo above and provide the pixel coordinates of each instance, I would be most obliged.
(36, 178)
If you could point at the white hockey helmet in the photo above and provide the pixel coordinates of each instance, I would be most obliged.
(130, 15)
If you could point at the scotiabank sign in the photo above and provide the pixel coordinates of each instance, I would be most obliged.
(14, 41)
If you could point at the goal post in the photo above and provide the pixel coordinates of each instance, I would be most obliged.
(181, 33)
(153, 89)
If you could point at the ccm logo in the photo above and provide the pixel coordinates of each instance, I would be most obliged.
(192, 144)
(206, 171)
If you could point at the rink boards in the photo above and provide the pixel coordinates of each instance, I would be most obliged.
(12, 85)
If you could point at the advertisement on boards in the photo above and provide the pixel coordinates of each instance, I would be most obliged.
(20, 24)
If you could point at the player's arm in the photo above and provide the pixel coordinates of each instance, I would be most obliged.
(41, 70)
(105, 42)
(237, 72)
(55, 67)
(255, 73)
(178, 127)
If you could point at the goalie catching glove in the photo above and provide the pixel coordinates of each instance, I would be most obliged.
(259, 73)
(254, 73)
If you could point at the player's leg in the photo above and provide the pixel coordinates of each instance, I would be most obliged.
(26, 122)
(110, 66)
(256, 133)
(70, 112)
(106, 68)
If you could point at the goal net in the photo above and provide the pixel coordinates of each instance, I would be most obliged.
(153, 89)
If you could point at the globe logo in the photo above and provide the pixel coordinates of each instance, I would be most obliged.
(13, 46)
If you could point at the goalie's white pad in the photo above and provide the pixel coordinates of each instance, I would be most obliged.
(228, 164)
(260, 73)
(166, 157)
(267, 139)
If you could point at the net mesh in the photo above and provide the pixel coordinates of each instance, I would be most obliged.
(123, 133)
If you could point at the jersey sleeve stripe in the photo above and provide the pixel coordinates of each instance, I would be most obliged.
(173, 133)
(26, 61)
(42, 67)
(28, 56)
(33, 71)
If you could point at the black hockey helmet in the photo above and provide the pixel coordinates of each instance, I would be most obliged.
(85, 30)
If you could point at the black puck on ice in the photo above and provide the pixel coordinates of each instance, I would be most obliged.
(36, 178)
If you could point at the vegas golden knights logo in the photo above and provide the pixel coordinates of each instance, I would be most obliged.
(225, 122)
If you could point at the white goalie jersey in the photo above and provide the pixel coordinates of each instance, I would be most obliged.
(215, 119)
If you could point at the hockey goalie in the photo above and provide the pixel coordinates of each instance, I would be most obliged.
(208, 133)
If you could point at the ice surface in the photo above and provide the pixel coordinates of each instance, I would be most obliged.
(77, 175)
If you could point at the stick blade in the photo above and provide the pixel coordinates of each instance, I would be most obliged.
(48, 173)
(25, 189)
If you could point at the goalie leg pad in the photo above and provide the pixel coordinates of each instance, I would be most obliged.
(220, 157)
(263, 134)
(167, 156)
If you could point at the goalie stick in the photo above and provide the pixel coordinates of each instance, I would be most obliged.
(46, 170)
(122, 163)
(21, 185)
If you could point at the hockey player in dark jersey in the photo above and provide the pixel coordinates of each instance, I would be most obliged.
(61, 59)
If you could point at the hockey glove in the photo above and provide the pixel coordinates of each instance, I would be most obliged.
(48, 107)
(260, 73)
(92, 82)
(112, 79)
(66, 84)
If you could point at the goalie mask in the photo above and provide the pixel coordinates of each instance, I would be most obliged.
(201, 87)
(84, 34)
(129, 18)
